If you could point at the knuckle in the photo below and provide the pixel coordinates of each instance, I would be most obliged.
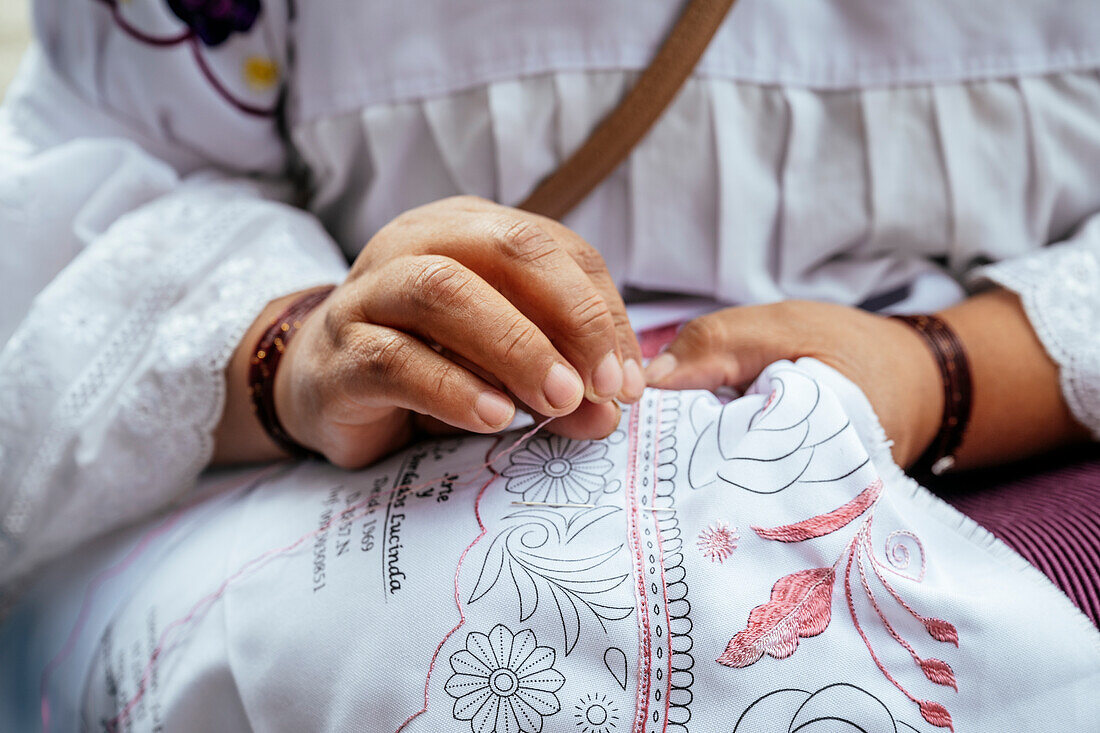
(702, 334)
(516, 335)
(385, 355)
(440, 383)
(439, 283)
(589, 259)
(339, 314)
(590, 316)
(525, 241)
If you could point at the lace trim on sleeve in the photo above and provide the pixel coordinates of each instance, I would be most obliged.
(111, 388)
(1060, 291)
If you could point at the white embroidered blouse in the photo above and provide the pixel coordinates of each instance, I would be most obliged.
(167, 168)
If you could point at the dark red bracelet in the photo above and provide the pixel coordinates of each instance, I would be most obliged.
(957, 391)
(265, 361)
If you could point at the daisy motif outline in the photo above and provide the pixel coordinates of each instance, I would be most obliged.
(504, 683)
(557, 470)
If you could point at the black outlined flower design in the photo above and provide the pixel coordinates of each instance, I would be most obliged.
(596, 713)
(835, 707)
(504, 682)
(558, 470)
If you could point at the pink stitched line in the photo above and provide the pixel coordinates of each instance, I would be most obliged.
(197, 611)
(939, 629)
(641, 695)
(661, 554)
(824, 524)
(888, 553)
(874, 602)
(121, 566)
(458, 599)
(886, 584)
(855, 621)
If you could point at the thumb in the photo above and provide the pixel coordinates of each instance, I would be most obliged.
(727, 348)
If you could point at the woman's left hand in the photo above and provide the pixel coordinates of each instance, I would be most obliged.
(886, 358)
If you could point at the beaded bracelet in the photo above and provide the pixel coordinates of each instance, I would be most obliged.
(957, 391)
(265, 361)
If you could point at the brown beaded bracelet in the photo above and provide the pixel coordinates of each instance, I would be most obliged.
(957, 391)
(265, 361)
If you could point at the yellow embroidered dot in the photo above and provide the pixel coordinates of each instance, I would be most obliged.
(260, 73)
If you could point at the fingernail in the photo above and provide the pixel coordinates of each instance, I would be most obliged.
(562, 387)
(607, 380)
(633, 380)
(660, 367)
(494, 409)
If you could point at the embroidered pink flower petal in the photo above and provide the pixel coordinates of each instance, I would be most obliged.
(939, 672)
(824, 524)
(800, 606)
(936, 714)
(941, 630)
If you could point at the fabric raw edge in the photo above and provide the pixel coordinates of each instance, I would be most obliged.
(878, 446)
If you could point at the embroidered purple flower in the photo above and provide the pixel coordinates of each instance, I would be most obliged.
(213, 21)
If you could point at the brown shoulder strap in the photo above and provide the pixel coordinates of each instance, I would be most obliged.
(627, 124)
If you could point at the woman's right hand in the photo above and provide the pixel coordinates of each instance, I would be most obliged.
(452, 314)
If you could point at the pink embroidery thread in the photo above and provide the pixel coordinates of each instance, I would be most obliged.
(204, 604)
(898, 554)
(824, 524)
(641, 696)
(800, 606)
(458, 598)
(114, 570)
(938, 629)
(933, 712)
(718, 541)
(800, 603)
(661, 558)
(935, 670)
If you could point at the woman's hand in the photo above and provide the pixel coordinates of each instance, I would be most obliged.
(885, 358)
(453, 313)
(1018, 409)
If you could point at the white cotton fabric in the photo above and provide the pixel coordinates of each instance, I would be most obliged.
(602, 619)
(151, 195)
(382, 51)
(143, 283)
(765, 192)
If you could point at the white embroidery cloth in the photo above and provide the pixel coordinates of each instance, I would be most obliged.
(124, 152)
(756, 567)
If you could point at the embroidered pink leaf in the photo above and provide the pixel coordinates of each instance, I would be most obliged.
(942, 630)
(936, 714)
(800, 606)
(939, 672)
(823, 524)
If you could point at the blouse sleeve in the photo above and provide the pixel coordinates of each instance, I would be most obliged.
(145, 224)
(1059, 287)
